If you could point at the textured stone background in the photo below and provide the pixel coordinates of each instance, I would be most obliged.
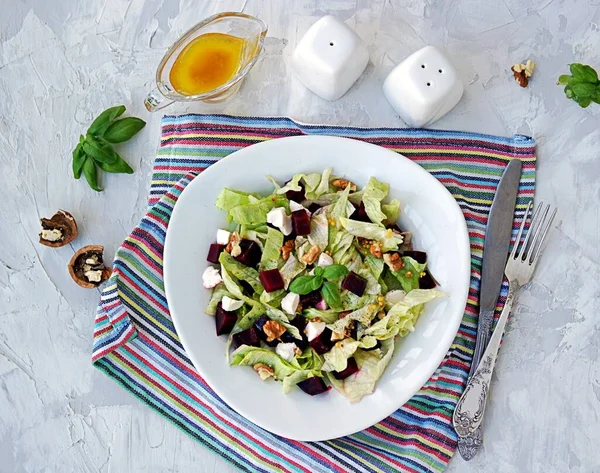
(61, 62)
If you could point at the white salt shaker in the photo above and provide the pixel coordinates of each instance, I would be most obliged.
(329, 58)
(423, 87)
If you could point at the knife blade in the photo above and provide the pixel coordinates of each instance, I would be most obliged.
(495, 254)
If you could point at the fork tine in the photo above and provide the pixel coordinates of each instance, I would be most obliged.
(526, 244)
(540, 240)
(539, 224)
(514, 252)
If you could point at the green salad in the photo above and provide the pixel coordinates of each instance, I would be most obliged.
(314, 283)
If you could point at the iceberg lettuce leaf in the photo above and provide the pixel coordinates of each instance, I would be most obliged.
(371, 365)
(270, 255)
(336, 359)
(389, 240)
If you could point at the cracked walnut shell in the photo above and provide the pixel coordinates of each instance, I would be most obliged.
(59, 230)
(86, 267)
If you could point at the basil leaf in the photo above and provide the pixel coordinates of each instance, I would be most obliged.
(596, 96)
(335, 271)
(584, 102)
(89, 171)
(99, 151)
(103, 121)
(584, 89)
(123, 129)
(316, 282)
(302, 285)
(569, 92)
(565, 79)
(120, 166)
(331, 294)
(576, 70)
(79, 158)
(319, 271)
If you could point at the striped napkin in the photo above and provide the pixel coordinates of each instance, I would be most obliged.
(135, 342)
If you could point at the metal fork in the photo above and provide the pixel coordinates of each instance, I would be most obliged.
(521, 264)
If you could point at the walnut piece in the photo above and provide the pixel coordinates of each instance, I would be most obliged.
(87, 267)
(263, 370)
(59, 230)
(375, 249)
(273, 330)
(287, 249)
(233, 246)
(311, 255)
(393, 261)
(343, 183)
(522, 72)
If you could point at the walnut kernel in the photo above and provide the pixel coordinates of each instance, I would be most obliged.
(273, 330)
(343, 183)
(311, 255)
(263, 370)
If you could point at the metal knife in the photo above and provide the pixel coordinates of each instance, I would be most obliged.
(495, 254)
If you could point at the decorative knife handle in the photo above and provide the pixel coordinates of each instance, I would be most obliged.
(484, 329)
(471, 405)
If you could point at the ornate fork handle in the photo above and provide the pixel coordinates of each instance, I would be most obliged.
(471, 405)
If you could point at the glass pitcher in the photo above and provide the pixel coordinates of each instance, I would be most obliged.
(250, 29)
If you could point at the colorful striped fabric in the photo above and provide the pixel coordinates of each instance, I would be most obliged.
(135, 342)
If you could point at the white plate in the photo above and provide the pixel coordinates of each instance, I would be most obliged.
(428, 210)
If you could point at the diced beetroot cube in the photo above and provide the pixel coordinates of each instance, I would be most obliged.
(250, 255)
(350, 370)
(246, 337)
(271, 280)
(427, 281)
(296, 196)
(214, 252)
(301, 222)
(419, 256)
(224, 320)
(312, 208)
(360, 213)
(354, 283)
(322, 343)
(313, 386)
(311, 299)
(259, 324)
(300, 323)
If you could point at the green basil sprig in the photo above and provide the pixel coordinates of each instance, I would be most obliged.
(323, 278)
(95, 150)
(582, 85)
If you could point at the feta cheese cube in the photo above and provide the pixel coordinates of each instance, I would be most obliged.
(324, 260)
(294, 206)
(229, 305)
(395, 296)
(211, 277)
(313, 330)
(290, 302)
(278, 218)
(223, 237)
(287, 351)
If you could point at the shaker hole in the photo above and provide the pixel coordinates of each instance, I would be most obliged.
(428, 84)
(331, 43)
(422, 66)
(440, 71)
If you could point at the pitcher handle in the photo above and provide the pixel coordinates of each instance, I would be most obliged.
(156, 101)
